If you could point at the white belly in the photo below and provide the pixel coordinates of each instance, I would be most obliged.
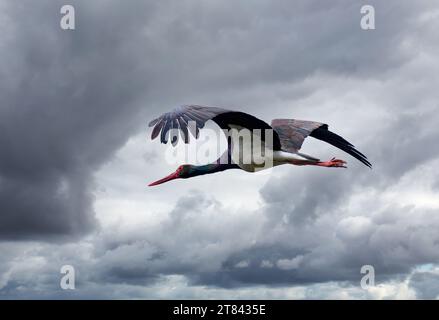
(251, 154)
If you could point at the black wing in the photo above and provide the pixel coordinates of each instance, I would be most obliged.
(322, 133)
(178, 120)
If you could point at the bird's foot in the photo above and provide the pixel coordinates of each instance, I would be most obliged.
(333, 163)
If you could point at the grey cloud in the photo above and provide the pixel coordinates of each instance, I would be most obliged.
(229, 275)
(303, 196)
(71, 100)
(69, 111)
(426, 284)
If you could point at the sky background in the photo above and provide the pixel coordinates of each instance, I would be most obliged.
(75, 154)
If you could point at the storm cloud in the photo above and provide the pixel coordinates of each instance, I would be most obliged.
(75, 160)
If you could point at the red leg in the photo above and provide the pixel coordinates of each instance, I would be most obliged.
(333, 163)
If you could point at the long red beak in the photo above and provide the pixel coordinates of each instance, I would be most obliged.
(172, 176)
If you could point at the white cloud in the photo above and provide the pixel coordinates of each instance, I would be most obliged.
(289, 264)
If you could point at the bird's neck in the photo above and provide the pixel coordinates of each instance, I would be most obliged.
(209, 168)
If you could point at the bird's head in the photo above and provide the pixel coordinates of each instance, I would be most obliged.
(183, 171)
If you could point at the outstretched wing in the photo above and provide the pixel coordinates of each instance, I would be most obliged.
(179, 120)
(293, 132)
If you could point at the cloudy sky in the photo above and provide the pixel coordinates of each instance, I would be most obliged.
(75, 154)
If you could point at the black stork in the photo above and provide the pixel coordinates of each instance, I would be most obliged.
(287, 138)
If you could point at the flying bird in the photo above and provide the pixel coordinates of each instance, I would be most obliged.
(281, 140)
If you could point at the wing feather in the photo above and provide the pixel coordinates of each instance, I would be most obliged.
(293, 132)
(180, 119)
(157, 128)
(337, 141)
(183, 129)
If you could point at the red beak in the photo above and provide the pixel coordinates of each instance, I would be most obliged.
(172, 176)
